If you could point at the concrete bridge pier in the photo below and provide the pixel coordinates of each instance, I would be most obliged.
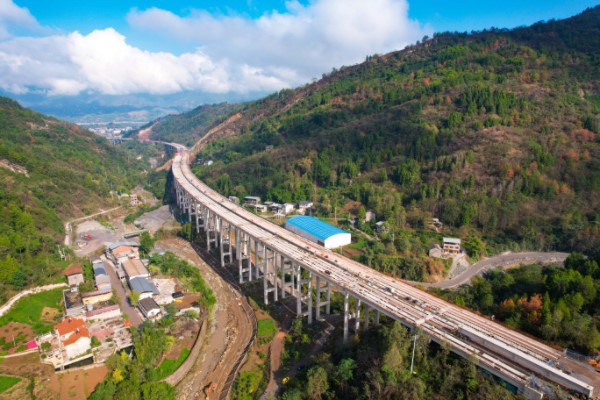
(211, 232)
(319, 298)
(242, 247)
(287, 272)
(269, 274)
(302, 295)
(199, 217)
(225, 243)
(346, 315)
(367, 316)
(357, 316)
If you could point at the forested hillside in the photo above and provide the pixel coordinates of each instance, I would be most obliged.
(188, 127)
(496, 133)
(50, 171)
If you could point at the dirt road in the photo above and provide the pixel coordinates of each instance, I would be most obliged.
(229, 331)
(500, 261)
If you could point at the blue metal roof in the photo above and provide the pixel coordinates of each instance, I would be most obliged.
(142, 285)
(315, 227)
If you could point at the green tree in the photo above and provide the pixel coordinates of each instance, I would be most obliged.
(317, 384)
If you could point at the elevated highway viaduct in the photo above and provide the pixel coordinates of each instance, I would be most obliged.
(289, 265)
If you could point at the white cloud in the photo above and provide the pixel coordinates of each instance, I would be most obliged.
(232, 53)
(311, 39)
(15, 17)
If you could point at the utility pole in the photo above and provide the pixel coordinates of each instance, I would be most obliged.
(412, 361)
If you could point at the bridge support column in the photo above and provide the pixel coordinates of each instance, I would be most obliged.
(357, 316)
(367, 316)
(269, 274)
(319, 302)
(287, 272)
(377, 314)
(346, 316)
(225, 242)
(300, 296)
(211, 233)
(243, 254)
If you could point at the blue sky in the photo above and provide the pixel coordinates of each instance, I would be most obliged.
(68, 47)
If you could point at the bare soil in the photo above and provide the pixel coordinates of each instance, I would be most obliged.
(13, 329)
(48, 314)
(76, 384)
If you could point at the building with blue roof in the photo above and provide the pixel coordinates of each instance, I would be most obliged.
(318, 231)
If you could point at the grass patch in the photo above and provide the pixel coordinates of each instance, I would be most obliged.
(247, 384)
(266, 327)
(6, 382)
(28, 310)
(167, 367)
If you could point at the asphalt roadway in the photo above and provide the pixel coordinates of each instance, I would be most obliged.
(503, 261)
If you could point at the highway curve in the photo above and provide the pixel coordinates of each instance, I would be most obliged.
(499, 261)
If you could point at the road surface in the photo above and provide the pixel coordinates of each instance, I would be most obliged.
(499, 261)
(126, 308)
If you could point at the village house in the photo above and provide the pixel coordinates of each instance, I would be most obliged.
(251, 200)
(134, 268)
(74, 337)
(101, 278)
(144, 287)
(149, 308)
(303, 206)
(96, 297)
(451, 245)
(73, 302)
(74, 274)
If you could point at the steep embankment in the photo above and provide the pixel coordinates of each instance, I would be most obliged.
(49, 171)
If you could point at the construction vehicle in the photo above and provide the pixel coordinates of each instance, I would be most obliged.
(87, 237)
(210, 388)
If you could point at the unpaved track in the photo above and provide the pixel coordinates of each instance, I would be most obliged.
(228, 333)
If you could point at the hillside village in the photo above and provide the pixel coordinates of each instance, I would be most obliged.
(100, 305)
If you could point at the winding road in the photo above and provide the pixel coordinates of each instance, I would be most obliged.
(503, 261)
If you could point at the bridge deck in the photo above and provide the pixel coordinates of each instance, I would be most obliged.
(495, 346)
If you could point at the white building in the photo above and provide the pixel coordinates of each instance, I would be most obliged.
(451, 245)
(78, 343)
(149, 308)
(318, 231)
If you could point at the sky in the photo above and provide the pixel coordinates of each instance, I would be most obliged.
(160, 47)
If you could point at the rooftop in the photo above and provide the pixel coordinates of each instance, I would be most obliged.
(315, 227)
(95, 293)
(451, 240)
(123, 250)
(113, 246)
(69, 325)
(78, 334)
(99, 268)
(102, 310)
(73, 269)
(148, 304)
(142, 285)
(134, 267)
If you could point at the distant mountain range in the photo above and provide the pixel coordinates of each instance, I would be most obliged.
(133, 110)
